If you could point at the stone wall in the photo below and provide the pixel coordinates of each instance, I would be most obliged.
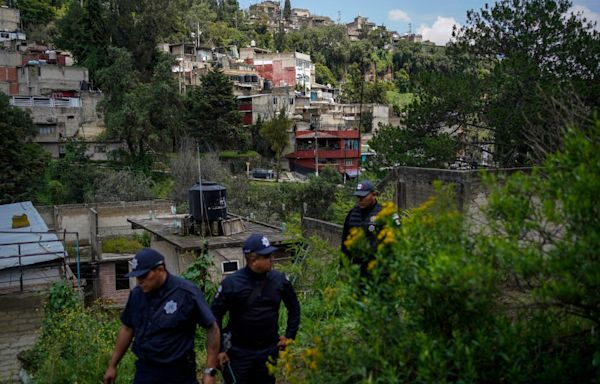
(21, 318)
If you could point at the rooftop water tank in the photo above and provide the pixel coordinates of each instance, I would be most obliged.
(208, 202)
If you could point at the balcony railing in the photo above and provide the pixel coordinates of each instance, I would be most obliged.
(46, 102)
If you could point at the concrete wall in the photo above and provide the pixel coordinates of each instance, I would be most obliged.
(9, 19)
(21, 318)
(36, 80)
(330, 232)
(111, 217)
(32, 275)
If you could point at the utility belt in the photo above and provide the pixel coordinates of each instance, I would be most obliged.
(185, 361)
(248, 344)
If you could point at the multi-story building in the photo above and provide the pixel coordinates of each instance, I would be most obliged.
(11, 35)
(293, 69)
(58, 96)
(328, 135)
(358, 27)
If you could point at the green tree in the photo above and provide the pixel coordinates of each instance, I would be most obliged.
(143, 115)
(22, 161)
(71, 176)
(513, 64)
(395, 146)
(212, 113)
(85, 33)
(275, 132)
(324, 75)
(287, 10)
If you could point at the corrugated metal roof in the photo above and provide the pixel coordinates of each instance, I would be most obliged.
(33, 243)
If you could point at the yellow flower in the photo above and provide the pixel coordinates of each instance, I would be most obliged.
(372, 264)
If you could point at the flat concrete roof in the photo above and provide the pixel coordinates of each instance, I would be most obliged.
(165, 229)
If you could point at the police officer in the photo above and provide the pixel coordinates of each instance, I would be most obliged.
(362, 216)
(252, 297)
(160, 317)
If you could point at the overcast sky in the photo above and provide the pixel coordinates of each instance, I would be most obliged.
(431, 18)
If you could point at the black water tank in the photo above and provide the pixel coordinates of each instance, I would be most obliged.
(210, 195)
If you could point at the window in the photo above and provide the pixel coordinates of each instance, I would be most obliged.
(100, 149)
(274, 100)
(348, 162)
(291, 101)
(47, 130)
(121, 268)
(4, 35)
(228, 267)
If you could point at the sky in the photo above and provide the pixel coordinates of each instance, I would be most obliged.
(431, 18)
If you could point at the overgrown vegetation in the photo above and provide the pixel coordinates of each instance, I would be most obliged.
(76, 342)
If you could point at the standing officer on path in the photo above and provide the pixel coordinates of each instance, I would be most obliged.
(252, 297)
(362, 216)
(161, 317)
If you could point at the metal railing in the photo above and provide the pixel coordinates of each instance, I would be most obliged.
(46, 102)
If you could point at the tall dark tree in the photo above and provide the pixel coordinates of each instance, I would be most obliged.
(287, 10)
(212, 113)
(512, 65)
(143, 115)
(85, 33)
(22, 161)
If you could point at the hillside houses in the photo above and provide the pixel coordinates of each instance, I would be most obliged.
(58, 94)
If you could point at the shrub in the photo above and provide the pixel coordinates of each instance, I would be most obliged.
(514, 302)
(76, 342)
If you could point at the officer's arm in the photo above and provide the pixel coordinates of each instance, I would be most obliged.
(121, 345)
(219, 305)
(213, 344)
(293, 308)
(345, 233)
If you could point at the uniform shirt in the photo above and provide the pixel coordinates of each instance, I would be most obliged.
(256, 326)
(164, 321)
(361, 218)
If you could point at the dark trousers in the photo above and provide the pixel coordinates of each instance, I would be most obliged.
(249, 366)
(152, 373)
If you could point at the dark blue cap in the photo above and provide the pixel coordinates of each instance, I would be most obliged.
(364, 188)
(144, 261)
(258, 243)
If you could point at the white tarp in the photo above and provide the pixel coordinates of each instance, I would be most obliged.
(33, 243)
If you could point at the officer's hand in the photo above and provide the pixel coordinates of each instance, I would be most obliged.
(283, 342)
(208, 379)
(110, 375)
(223, 359)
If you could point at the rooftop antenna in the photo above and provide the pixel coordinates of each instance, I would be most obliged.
(339, 19)
(202, 208)
(410, 28)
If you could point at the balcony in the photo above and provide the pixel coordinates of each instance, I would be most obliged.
(47, 102)
(325, 154)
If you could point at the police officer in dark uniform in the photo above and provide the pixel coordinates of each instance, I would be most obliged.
(252, 297)
(362, 216)
(161, 317)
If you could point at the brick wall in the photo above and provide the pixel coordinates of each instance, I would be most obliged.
(21, 317)
(107, 280)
